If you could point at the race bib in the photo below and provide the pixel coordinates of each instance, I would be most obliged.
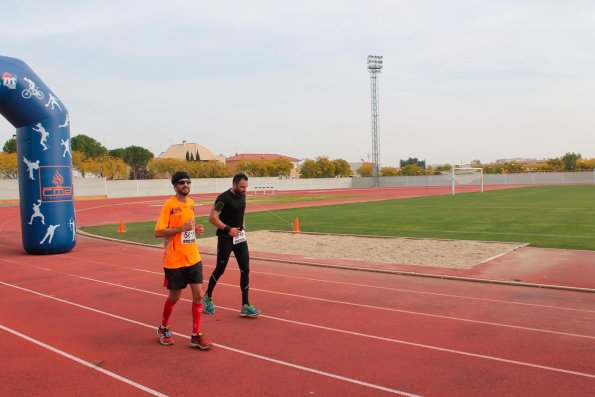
(188, 237)
(240, 238)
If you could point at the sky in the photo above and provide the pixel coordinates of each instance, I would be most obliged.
(462, 80)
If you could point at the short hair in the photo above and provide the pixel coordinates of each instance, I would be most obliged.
(178, 176)
(238, 177)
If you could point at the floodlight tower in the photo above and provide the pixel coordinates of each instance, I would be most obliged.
(374, 67)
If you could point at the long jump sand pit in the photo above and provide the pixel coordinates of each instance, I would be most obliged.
(456, 254)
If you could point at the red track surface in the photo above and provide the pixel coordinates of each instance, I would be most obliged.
(323, 331)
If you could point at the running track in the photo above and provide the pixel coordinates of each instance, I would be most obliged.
(83, 323)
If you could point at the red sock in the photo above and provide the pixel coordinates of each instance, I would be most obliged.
(168, 307)
(196, 317)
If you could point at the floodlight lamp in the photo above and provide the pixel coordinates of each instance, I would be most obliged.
(374, 62)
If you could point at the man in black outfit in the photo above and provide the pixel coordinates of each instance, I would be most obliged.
(227, 215)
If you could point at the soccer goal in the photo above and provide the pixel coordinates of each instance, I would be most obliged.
(469, 177)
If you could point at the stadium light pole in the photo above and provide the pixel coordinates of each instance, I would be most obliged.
(374, 67)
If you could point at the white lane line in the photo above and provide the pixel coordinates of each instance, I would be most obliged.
(416, 291)
(398, 310)
(489, 323)
(246, 353)
(419, 345)
(398, 289)
(83, 362)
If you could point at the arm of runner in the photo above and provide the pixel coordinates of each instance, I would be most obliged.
(215, 221)
(170, 231)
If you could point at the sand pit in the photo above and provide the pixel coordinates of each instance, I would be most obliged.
(457, 254)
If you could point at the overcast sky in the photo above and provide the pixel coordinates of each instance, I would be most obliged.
(462, 79)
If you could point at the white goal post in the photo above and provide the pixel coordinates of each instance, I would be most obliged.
(466, 176)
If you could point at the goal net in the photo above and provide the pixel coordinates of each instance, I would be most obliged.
(466, 179)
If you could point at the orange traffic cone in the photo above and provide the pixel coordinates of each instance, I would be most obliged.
(122, 228)
(296, 225)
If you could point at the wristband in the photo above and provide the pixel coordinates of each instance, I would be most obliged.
(226, 229)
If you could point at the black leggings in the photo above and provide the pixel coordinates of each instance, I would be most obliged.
(225, 247)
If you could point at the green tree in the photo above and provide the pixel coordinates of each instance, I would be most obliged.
(342, 168)
(187, 155)
(10, 146)
(569, 160)
(413, 161)
(309, 169)
(88, 146)
(137, 158)
(197, 157)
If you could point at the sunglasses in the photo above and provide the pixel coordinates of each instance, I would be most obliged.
(184, 182)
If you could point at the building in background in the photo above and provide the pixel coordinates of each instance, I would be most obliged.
(190, 151)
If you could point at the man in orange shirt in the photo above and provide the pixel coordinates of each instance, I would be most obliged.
(181, 260)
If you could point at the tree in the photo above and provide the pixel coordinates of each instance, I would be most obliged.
(208, 169)
(197, 157)
(255, 168)
(413, 161)
(569, 160)
(365, 170)
(309, 169)
(8, 165)
(412, 170)
(165, 168)
(108, 167)
(342, 168)
(10, 146)
(88, 146)
(136, 157)
(326, 168)
(279, 167)
(555, 165)
(389, 171)
(187, 155)
(79, 163)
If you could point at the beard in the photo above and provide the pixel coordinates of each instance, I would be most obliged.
(238, 192)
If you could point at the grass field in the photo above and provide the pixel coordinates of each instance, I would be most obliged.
(543, 216)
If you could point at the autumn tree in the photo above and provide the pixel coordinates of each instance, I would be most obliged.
(365, 170)
(107, 167)
(254, 168)
(309, 169)
(342, 168)
(8, 165)
(79, 163)
(389, 171)
(279, 167)
(165, 168)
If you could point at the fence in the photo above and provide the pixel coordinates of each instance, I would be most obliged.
(100, 187)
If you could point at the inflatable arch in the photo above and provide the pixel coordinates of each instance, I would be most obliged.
(44, 159)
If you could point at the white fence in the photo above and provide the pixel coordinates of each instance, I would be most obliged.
(91, 187)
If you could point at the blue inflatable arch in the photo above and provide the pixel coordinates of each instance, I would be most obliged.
(44, 159)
